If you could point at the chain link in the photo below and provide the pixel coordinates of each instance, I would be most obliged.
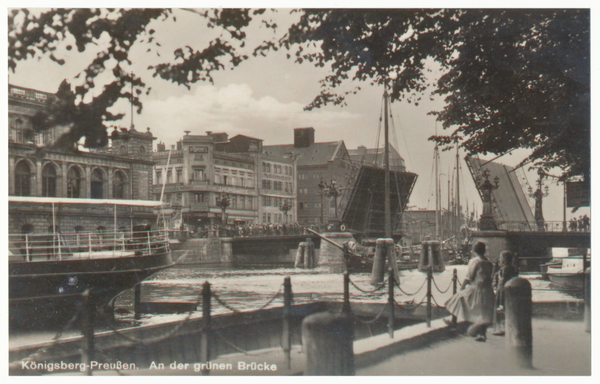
(234, 310)
(411, 294)
(369, 291)
(438, 288)
(436, 303)
(376, 317)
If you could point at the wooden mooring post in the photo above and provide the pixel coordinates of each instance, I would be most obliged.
(87, 331)
(205, 342)
(391, 320)
(454, 290)
(346, 305)
(587, 311)
(286, 336)
(137, 301)
(429, 278)
(519, 335)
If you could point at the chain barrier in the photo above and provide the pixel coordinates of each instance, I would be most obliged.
(376, 317)
(370, 291)
(40, 352)
(110, 322)
(411, 294)
(436, 303)
(438, 288)
(412, 307)
(234, 310)
(233, 345)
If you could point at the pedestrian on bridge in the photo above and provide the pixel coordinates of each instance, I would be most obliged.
(475, 301)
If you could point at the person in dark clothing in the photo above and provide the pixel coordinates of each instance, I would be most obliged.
(505, 272)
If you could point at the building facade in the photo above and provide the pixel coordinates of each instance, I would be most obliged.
(318, 165)
(195, 175)
(123, 170)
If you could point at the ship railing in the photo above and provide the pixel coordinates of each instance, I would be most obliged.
(87, 245)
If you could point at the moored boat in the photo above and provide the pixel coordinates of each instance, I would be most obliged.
(569, 273)
(48, 273)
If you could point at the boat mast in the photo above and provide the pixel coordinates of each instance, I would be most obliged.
(437, 189)
(457, 193)
(386, 159)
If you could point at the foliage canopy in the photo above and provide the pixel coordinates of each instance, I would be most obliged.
(511, 78)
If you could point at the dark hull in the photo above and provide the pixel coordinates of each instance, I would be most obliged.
(49, 292)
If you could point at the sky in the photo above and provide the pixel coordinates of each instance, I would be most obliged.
(264, 97)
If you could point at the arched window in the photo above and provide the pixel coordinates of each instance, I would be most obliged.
(22, 179)
(49, 181)
(97, 184)
(120, 185)
(74, 183)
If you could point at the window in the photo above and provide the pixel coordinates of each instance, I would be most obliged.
(217, 179)
(158, 177)
(49, 181)
(198, 197)
(268, 217)
(97, 184)
(74, 183)
(264, 217)
(120, 185)
(233, 201)
(22, 179)
(225, 179)
(170, 176)
(179, 175)
(233, 180)
(142, 150)
(198, 174)
(242, 182)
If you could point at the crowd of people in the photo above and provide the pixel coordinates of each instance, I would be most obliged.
(580, 225)
(257, 230)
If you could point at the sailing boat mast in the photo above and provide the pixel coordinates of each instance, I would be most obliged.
(386, 159)
(437, 189)
(457, 192)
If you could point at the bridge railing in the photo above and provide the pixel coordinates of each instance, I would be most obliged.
(547, 226)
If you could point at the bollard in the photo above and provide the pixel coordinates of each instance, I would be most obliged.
(517, 307)
(327, 340)
(429, 278)
(346, 305)
(384, 249)
(454, 290)
(391, 283)
(137, 301)
(300, 255)
(309, 254)
(205, 337)
(587, 313)
(87, 331)
(286, 336)
(378, 264)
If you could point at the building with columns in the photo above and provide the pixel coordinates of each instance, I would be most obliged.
(122, 170)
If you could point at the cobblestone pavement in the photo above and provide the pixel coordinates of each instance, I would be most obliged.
(559, 348)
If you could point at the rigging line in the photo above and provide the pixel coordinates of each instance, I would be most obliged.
(411, 164)
(430, 182)
(379, 131)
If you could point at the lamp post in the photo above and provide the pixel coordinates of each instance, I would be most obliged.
(224, 202)
(538, 195)
(334, 191)
(285, 207)
(487, 217)
(322, 187)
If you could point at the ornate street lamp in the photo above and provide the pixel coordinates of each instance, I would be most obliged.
(538, 195)
(486, 222)
(285, 207)
(334, 191)
(224, 202)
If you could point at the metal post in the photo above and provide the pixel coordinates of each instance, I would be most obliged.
(391, 283)
(346, 305)
(137, 299)
(454, 290)
(429, 278)
(205, 337)
(87, 331)
(286, 337)
(89, 245)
